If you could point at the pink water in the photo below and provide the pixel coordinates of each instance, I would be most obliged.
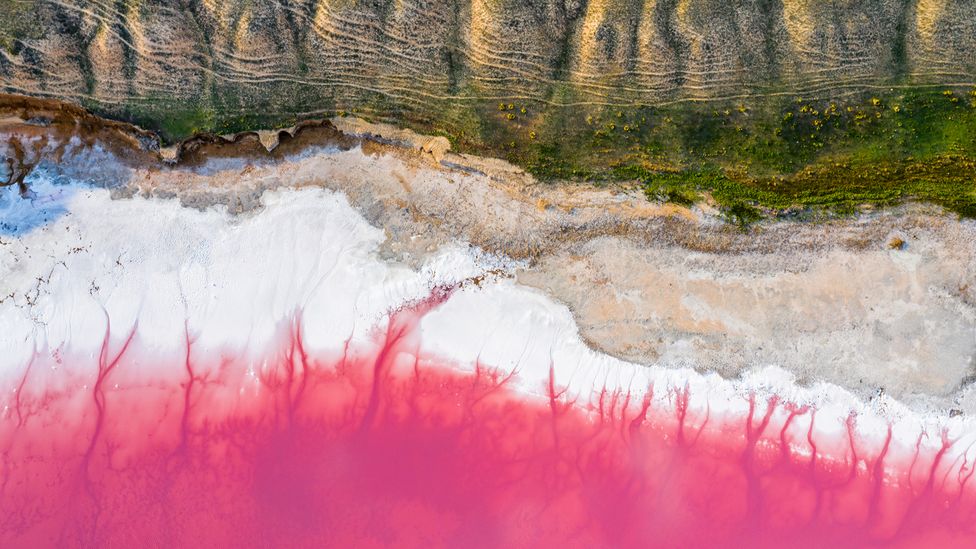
(385, 447)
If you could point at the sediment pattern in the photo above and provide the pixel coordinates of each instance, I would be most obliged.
(424, 56)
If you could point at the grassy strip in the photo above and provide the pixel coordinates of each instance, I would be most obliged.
(774, 156)
(781, 157)
(839, 189)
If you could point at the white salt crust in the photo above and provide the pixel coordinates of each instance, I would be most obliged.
(76, 265)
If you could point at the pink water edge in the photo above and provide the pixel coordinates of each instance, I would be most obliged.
(381, 445)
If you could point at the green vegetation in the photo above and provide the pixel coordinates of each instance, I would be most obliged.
(780, 156)
(176, 121)
(17, 23)
(795, 157)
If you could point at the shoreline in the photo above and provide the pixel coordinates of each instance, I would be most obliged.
(648, 283)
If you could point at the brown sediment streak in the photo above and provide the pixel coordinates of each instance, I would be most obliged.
(681, 410)
(402, 324)
(385, 445)
(105, 368)
(20, 387)
(25, 119)
(191, 379)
